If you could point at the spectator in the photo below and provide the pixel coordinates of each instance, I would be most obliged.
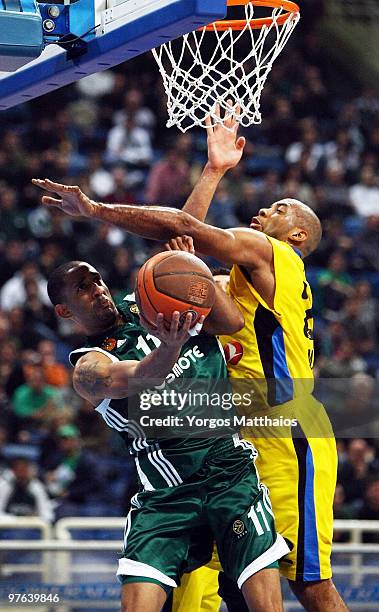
(344, 363)
(364, 196)
(370, 508)
(355, 471)
(119, 191)
(35, 401)
(130, 144)
(13, 293)
(21, 494)
(134, 106)
(334, 284)
(55, 374)
(336, 190)
(169, 180)
(342, 510)
(68, 479)
(310, 144)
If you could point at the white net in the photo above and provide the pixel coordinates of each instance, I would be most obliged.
(228, 67)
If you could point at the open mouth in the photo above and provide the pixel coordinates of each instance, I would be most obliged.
(256, 224)
(103, 303)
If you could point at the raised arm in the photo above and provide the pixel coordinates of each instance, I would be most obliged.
(240, 246)
(225, 150)
(97, 377)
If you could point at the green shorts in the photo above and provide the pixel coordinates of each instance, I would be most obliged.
(172, 530)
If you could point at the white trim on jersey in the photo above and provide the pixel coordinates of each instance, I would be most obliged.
(128, 525)
(153, 452)
(272, 554)
(237, 441)
(129, 567)
(118, 422)
(131, 297)
(92, 349)
(221, 349)
(147, 486)
(169, 465)
(161, 468)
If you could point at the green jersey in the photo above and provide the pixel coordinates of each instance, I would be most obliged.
(165, 461)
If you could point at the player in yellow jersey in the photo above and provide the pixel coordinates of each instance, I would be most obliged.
(275, 349)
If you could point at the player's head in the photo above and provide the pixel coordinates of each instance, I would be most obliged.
(78, 292)
(221, 277)
(291, 221)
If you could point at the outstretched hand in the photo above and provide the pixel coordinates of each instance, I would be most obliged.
(225, 148)
(72, 200)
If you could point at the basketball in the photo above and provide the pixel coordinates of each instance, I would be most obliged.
(175, 280)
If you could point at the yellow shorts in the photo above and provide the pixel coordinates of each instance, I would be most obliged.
(300, 472)
(299, 466)
(197, 592)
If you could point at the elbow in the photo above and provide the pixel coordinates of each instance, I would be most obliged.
(235, 324)
(240, 322)
(187, 223)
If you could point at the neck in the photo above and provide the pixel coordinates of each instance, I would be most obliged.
(118, 321)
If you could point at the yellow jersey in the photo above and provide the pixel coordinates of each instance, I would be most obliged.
(275, 347)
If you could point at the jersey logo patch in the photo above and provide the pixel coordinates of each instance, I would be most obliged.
(233, 352)
(134, 309)
(109, 344)
(238, 527)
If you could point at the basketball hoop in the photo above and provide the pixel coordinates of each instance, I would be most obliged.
(225, 63)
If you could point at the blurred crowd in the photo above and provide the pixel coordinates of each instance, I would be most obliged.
(107, 134)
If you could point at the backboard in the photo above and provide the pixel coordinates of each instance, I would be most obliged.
(122, 29)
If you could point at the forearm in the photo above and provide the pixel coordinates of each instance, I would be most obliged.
(153, 222)
(155, 366)
(96, 378)
(201, 197)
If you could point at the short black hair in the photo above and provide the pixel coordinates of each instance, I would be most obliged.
(56, 282)
(220, 271)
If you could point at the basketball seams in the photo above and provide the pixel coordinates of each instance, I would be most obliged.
(155, 299)
(146, 294)
(181, 274)
(184, 303)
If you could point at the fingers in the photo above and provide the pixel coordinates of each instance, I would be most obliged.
(48, 201)
(173, 245)
(49, 185)
(187, 324)
(174, 325)
(181, 243)
(208, 125)
(241, 142)
(189, 245)
(159, 323)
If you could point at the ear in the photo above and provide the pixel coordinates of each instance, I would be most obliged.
(63, 311)
(297, 236)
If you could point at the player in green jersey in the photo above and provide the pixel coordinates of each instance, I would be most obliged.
(194, 490)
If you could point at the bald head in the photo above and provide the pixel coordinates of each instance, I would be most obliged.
(305, 219)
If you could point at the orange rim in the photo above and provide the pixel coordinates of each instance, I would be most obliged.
(239, 24)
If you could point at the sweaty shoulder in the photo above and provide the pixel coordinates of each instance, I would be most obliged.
(252, 248)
